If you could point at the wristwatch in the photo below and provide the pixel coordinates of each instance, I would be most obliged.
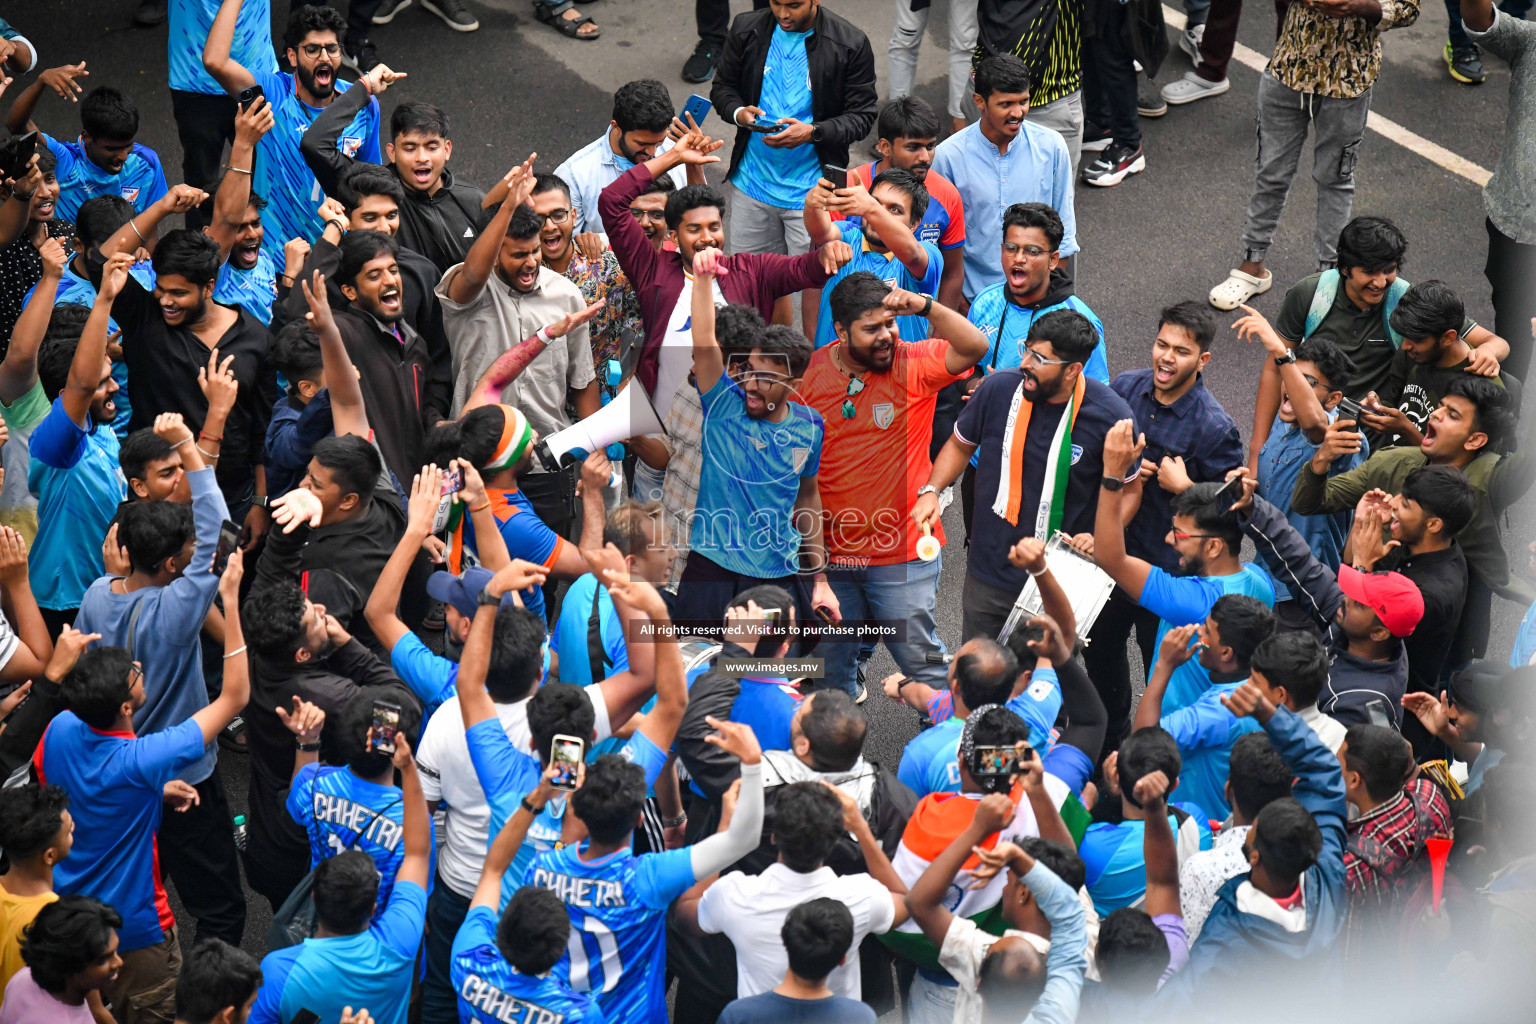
(927, 489)
(1289, 357)
(927, 305)
(309, 748)
(1110, 483)
(817, 135)
(261, 501)
(486, 597)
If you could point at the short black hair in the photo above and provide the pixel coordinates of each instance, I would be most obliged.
(214, 977)
(1010, 982)
(525, 223)
(807, 824)
(559, 708)
(272, 618)
(189, 254)
(1194, 317)
(909, 185)
(1492, 414)
(855, 295)
(643, 106)
(153, 531)
(1444, 492)
(996, 727)
(1243, 623)
(662, 183)
(1211, 515)
(101, 217)
(533, 930)
(1428, 309)
(1381, 756)
(1062, 859)
(835, 728)
(1041, 216)
(1296, 660)
(47, 163)
(139, 449)
(611, 798)
(107, 114)
(1258, 774)
(310, 18)
(353, 462)
(65, 938)
(1072, 335)
(1372, 244)
(793, 345)
(817, 934)
(907, 118)
(550, 182)
(30, 817)
(358, 249)
(985, 674)
(354, 719)
(691, 197)
(517, 659)
(738, 327)
(296, 352)
(1001, 72)
(420, 117)
(97, 687)
(1330, 360)
(362, 179)
(1146, 750)
(346, 889)
(57, 352)
(1287, 839)
(475, 436)
(1132, 952)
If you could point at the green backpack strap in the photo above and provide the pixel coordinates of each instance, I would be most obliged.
(1328, 290)
(1395, 291)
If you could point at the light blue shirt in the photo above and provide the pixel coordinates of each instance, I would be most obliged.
(886, 267)
(78, 483)
(781, 177)
(190, 23)
(1285, 452)
(1007, 324)
(1205, 732)
(1067, 961)
(252, 290)
(1036, 169)
(1187, 600)
(593, 168)
(141, 181)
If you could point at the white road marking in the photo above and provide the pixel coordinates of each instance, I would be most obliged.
(1384, 126)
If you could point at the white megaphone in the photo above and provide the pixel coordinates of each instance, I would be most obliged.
(629, 414)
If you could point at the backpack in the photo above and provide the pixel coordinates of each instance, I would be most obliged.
(1328, 289)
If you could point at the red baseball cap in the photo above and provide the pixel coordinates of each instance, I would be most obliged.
(1392, 596)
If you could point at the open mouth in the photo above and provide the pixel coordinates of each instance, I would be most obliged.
(553, 242)
(1163, 373)
(422, 175)
(1018, 279)
(389, 297)
(882, 350)
(246, 254)
(172, 314)
(109, 407)
(1012, 122)
(1430, 432)
(1286, 409)
(1395, 527)
(1031, 383)
(43, 209)
(324, 74)
(754, 401)
(527, 278)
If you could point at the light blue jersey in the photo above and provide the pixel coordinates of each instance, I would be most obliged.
(1524, 652)
(340, 811)
(282, 177)
(492, 991)
(251, 290)
(569, 639)
(618, 907)
(887, 268)
(190, 23)
(781, 177)
(1006, 325)
(79, 485)
(1205, 732)
(141, 181)
(1113, 854)
(1186, 600)
(936, 766)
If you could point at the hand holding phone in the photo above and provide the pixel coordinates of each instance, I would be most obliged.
(383, 727)
(229, 539)
(453, 481)
(565, 756)
(697, 107)
(248, 96)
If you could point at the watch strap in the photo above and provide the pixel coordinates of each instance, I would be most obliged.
(1110, 483)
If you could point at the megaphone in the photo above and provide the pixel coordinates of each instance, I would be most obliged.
(630, 414)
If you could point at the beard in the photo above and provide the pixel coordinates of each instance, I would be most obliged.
(1191, 565)
(307, 79)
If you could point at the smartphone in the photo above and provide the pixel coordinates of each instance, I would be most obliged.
(764, 127)
(229, 539)
(1231, 492)
(385, 724)
(698, 106)
(16, 153)
(998, 762)
(248, 96)
(565, 756)
(305, 1017)
(453, 481)
(1376, 710)
(1349, 409)
(838, 176)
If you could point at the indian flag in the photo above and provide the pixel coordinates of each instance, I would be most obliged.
(937, 821)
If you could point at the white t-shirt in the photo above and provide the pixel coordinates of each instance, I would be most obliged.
(448, 775)
(675, 360)
(750, 910)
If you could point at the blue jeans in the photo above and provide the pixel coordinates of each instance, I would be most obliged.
(905, 592)
(446, 911)
(1458, 35)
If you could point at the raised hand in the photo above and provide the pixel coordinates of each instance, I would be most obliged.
(319, 299)
(709, 262)
(254, 122)
(472, 493)
(698, 148)
(66, 651)
(218, 384)
(834, 256)
(114, 556)
(182, 198)
(62, 80)
(426, 496)
(297, 506)
(115, 275)
(568, 323)
(229, 583)
(1150, 791)
(1028, 554)
(1174, 650)
(1122, 449)
(1253, 327)
(381, 78)
(1248, 700)
(638, 594)
(519, 575)
(1339, 439)
(171, 428)
(13, 557)
(590, 244)
(53, 256)
(734, 738)
(305, 721)
(1172, 476)
(992, 813)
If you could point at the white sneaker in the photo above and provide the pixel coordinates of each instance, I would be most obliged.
(1238, 288)
(1189, 42)
(1192, 87)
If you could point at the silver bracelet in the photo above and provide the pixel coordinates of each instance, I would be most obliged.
(207, 454)
(1032, 572)
(239, 170)
(237, 650)
(185, 440)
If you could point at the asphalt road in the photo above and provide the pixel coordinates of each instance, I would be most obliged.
(516, 86)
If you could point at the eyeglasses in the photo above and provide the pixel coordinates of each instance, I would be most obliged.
(1312, 381)
(1030, 252)
(135, 674)
(1192, 536)
(740, 368)
(1029, 357)
(559, 216)
(855, 385)
(657, 215)
(313, 50)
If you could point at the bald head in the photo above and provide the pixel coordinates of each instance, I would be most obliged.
(1011, 979)
(983, 672)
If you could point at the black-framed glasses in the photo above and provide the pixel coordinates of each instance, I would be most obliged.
(855, 386)
(1029, 252)
(135, 675)
(740, 369)
(1312, 381)
(559, 216)
(313, 50)
(643, 215)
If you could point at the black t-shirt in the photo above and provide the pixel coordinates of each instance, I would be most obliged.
(1441, 577)
(1417, 389)
(984, 422)
(163, 363)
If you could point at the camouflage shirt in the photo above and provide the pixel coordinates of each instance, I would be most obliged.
(1337, 57)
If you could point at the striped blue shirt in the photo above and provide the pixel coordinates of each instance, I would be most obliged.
(190, 23)
(781, 177)
(141, 181)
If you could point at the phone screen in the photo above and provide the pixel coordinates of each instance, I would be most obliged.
(565, 756)
(995, 762)
(453, 481)
(385, 724)
(229, 539)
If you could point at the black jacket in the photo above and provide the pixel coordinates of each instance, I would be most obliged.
(441, 226)
(1354, 683)
(842, 69)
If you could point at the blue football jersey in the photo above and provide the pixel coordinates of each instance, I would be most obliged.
(618, 907)
(339, 811)
(141, 181)
(251, 290)
(282, 177)
(190, 22)
(492, 991)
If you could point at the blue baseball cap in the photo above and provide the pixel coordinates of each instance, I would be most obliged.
(462, 592)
